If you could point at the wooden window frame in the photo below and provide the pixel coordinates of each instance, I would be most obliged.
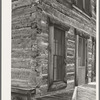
(59, 55)
(89, 14)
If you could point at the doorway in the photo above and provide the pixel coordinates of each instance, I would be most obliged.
(81, 60)
(57, 63)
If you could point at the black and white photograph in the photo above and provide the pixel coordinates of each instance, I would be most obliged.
(53, 50)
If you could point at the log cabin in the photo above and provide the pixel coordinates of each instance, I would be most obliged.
(53, 46)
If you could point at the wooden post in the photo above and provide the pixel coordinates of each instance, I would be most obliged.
(75, 94)
(76, 60)
(86, 77)
(50, 70)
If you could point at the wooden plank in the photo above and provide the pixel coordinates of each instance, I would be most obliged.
(24, 33)
(21, 63)
(85, 92)
(22, 22)
(20, 3)
(74, 97)
(51, 37)
(76, 62)
(22, 10)
(22, 74)
(21, 43)
(70, 60)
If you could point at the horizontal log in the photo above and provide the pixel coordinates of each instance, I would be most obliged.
(67, 20)
(19, 82)
(21, 43)
(70, 44)
(70, 60)
(43, 35)
(16, 12)
(71, 37)
(42, 39)
(45, 69)
(19, 53)
(70, 76)
(70, 52)
(21, 63)
(67, 11)
(20, 3)
(21, 74)
(24, 33)
(70, 68)
(22, 21)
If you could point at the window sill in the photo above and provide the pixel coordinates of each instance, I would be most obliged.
(83, 13)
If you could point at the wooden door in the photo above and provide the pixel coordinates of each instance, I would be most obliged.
(82, 61)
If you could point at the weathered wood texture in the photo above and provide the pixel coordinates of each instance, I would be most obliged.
(69, 16)
(85, 92)
(90, 59)
(60, 96)
(30, 40)
(70, 67)
(24, 44)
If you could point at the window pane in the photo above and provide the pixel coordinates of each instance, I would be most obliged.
(59, 68)
(79, 4)
(58, 38)
(88, 7)
(59, 54)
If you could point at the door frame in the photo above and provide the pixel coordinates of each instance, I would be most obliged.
(51, 82)
(77, 35)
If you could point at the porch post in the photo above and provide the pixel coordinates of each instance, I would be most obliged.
(76, 59)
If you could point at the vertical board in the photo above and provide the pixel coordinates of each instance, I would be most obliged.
(76, 60)
(51, 52)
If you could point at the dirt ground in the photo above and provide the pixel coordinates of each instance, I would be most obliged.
(62, 96)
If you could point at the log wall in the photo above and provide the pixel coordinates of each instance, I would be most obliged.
(30, 44)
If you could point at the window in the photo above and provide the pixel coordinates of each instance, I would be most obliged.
(57, 72)
(84, 5)
(59, 54)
